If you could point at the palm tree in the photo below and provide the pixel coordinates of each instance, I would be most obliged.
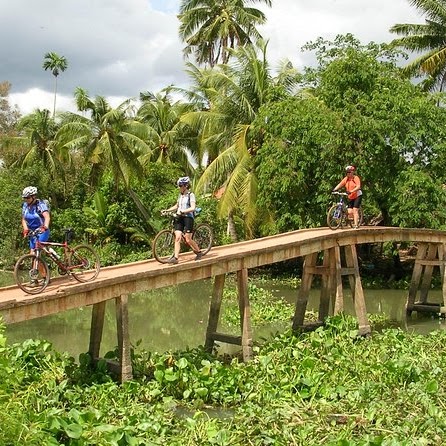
(211, 27)
(170, 139)
(429, 37)
(57, 64)
(108, 139)
(236, 93)
(38, 136)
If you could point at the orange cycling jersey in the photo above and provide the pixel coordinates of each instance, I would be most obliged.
(351, 183)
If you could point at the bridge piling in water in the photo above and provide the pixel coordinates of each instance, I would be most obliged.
(245, 340)
(331, 272)
(338, 248)
(428, 256)
(123, 367)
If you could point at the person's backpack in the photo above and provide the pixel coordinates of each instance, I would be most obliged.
(197, 210)
(46, 202)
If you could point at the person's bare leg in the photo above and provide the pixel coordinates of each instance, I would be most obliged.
(356, 217)
(191, 242)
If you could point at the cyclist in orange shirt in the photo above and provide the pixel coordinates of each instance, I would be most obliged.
(352, 184)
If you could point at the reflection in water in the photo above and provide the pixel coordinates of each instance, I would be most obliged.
(176, 318)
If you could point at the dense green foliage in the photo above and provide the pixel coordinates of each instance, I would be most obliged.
(362, 112)
(324, 387)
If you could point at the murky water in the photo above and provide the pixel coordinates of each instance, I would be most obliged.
(176, 318)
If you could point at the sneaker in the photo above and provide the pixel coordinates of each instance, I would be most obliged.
(355, 227)
(198, 255)
(173, 260)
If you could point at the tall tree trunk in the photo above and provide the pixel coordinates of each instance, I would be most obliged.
(231, 228)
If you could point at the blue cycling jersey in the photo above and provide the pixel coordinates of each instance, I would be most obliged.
(33, 214)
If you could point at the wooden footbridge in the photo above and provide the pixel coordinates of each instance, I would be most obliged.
(328, 254)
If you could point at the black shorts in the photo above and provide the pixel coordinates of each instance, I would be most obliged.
(184, 224)
(356, 203)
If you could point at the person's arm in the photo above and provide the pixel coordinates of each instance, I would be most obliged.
(46, 219)
(357, 181)
(338, 186)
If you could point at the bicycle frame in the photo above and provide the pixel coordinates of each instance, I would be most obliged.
(61, 262)
(163, 243)
(338, 215)
(32, 273)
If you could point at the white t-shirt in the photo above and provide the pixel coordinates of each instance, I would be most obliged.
(186, 201)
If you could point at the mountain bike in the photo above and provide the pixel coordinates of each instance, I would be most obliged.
(32, 273)
(164, 242)
(337, 215)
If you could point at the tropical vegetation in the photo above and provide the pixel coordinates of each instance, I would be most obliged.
(56, 64)
(264, 147)
(324, 387)
(429, 40)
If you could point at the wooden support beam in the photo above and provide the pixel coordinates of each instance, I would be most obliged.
(357, 291)
(226, 338)
(245, 313)
(304, 291)
(122, 325)
(96, 329)
(428, 256)
(324, 302)
(337, 281)
(416, 277)
(432, 254)
(214, 312)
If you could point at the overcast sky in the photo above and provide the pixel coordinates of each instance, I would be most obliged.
(118, 48)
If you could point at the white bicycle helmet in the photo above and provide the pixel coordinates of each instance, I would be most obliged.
(183, 181)
(350, 168)
(29, 191)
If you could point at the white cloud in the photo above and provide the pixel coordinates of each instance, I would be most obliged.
(119, 48)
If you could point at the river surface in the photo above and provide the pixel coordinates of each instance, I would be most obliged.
(176, 318)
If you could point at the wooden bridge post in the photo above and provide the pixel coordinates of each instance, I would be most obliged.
(214, 311)
(304, 291)
(332, 272)
(96, 329)
(245, 313)
(336, 277)
(122, 322)
(356, 289)
(326, 284)
(428, 256)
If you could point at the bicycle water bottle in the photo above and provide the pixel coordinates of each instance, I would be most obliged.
(54, 253)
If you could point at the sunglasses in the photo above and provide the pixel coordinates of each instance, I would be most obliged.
(181, 185)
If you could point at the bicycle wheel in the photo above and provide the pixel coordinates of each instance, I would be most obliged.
(31, 274)
(334, 217)
(83, 263)
(203, 236)
(346, 221)
(163, 245)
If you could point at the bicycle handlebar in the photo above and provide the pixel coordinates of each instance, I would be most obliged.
(169, 214)
(35, 233)
(344, 194)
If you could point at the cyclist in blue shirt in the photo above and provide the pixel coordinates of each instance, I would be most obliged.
(35, 215)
